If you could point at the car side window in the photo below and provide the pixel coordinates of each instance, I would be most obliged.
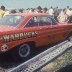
(54, 22)
(32, 22)
(40, 21)
(44, 20)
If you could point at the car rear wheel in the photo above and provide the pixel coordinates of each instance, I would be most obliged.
(22, 52)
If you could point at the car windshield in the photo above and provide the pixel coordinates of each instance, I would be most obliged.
(11, 20)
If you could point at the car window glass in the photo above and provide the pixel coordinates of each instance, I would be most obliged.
(44, 20)
(32, 22)
(40, 21)
(53, 21)
(11, 20)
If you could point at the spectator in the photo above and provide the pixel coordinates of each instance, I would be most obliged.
(13, 11)
(56, 13)
(20, 10)
(45, 10)
(2, 11)
(6, 12)
(69, 14)
(62, 17)
(32, 10)
(70, 17)
(68, 11)
(51, 11)
(27, 10)
(39, 9)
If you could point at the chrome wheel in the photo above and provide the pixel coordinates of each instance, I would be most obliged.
(24, 50)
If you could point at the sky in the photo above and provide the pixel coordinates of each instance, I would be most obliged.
(35, 3)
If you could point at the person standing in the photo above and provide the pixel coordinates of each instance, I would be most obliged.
(51, 12)
(62, 17)
(2, 11)
(56, 13)
(39, 9)
(68, 12)
(45, 10)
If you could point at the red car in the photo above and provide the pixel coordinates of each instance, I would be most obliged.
(22, 33)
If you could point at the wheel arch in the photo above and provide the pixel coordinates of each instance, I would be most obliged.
(31, 43)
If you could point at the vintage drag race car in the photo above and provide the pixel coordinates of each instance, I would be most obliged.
(21, 33)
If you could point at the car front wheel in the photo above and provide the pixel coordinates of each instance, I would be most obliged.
(22, 52)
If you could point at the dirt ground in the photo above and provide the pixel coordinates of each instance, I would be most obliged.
(61, 64)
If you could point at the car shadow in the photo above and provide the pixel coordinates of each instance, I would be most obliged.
(6, 61)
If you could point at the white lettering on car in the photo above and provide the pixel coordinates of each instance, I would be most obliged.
(6, 38)
(19, 36)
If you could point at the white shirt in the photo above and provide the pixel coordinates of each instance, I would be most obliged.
(51, 12)
(68, 12)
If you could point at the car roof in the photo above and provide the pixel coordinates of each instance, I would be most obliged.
(29, 14)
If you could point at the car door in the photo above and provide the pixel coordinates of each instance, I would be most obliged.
(39, 25)
(48, 27)
(58, 31)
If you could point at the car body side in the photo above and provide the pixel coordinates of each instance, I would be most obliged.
(39, 36)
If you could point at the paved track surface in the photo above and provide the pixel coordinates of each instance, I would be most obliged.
(7, 62)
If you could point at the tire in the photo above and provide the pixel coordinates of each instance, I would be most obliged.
(22, 52)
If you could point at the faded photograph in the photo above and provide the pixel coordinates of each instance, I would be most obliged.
(35, 35)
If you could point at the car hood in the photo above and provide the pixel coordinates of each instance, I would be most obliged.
(6, 28)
